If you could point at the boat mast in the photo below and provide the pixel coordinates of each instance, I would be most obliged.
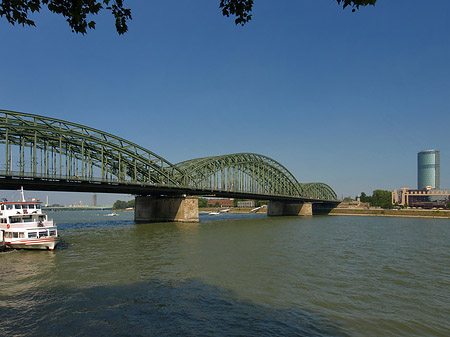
(22, 195)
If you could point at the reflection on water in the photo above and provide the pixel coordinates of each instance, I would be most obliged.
(232, 275)
(23, 270)
(22, 274)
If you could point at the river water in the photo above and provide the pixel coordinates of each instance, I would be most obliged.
(232, 275)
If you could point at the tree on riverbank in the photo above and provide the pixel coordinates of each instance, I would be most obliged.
(77, 12)
(380, 198)
(202, 202)
(365, 198)
(120, 204)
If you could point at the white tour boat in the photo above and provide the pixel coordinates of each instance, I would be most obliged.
(2, 242)
(24, 226)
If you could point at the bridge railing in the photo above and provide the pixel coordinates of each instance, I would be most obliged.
(69, 178)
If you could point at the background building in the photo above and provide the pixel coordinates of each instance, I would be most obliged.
(428, 169)
(213, 202)
(425, 198)
(246, 204)
(428, 194)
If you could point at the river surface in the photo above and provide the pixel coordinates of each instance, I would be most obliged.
(231, 275)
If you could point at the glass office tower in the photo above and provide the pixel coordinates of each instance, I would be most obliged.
(428, 169)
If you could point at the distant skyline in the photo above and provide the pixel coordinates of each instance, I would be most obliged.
(343, 98)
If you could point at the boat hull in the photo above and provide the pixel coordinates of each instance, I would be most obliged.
(40, 244)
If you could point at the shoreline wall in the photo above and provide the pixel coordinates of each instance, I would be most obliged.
(405, 213)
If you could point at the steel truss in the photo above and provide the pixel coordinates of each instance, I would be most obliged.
(250, 173)
(38, 147)
(51, 148)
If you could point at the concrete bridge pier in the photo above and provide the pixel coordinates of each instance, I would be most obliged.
(166, 209)
(277, 208)
(324, 208)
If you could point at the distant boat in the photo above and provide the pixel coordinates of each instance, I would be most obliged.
(213, 213)
(112, 214)
(254, 210)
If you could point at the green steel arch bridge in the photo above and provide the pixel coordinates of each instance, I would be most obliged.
(42, 153)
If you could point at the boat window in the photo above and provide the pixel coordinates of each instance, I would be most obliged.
(52, 233)
(17, 206)
(14, 220)
(3, 207)
(31, 206)
(15, 235)
(9, 207)
(32, 235)
(24, 206)
(8, 235)
(42, 234)
(21, 235)
(38, 206)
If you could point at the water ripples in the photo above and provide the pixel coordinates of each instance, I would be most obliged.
(236, 275)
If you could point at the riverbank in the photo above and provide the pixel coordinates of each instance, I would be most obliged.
(77, 208)
(403, 213)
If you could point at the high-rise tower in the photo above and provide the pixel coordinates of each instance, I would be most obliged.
(428, 169)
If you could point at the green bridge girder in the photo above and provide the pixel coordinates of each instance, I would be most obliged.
(38, 147)
(248, 172)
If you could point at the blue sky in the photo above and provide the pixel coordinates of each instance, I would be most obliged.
(338, 97)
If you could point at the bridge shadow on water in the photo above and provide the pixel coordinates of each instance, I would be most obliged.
(153, 308)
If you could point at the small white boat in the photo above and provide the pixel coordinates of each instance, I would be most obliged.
(213, 213)
(255, 210)
(112, 214)
(24, 226)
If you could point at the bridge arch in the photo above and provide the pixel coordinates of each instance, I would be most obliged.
(319, 191)
(51, 148)
(241, 172)
(38, 147)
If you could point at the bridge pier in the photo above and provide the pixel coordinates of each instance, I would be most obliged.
(277, 208)
(324, 208)
(166, 209)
